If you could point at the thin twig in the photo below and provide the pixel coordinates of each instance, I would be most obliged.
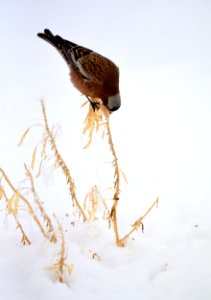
(24, 240)
(62, 164)
(30, 208)
(113, 214)
(138, 222)
(52, 236)
(60, 267)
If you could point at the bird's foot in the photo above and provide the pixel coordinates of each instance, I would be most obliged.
(95, 105)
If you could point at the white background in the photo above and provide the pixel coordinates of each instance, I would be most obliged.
(161, 134)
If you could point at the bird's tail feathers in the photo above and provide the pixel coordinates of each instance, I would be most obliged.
(50, 38)
(59, 43)
(55, 40)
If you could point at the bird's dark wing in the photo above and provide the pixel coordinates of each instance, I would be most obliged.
(71, 52)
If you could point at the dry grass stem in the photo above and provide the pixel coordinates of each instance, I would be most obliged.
(113, 214)
(113, 152)
(93, 121)
(62, 164)
(33, 157)
(23, 137)
(138, 222)
(51, 233)
(16, 198)
(92, 203)
(24, 240)
(61, 268)
(43, 156)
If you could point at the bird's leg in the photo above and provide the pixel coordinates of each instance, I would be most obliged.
(94, 105)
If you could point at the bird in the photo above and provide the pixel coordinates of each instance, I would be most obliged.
(94, 75)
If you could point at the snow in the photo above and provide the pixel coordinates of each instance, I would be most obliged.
(161, 135)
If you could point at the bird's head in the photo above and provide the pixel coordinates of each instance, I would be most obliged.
(114, 102)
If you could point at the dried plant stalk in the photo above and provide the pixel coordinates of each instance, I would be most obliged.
(60, 267)
(33, 157)
(138, 222)
(24, 240)
(113, 215)
(113, 152)
(93, 121)
(1, 192)
(51, 233)
(23, 137)
(28, 205)
(92, 202)
(62, 164)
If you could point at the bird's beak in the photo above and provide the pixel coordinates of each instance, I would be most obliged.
(114, 102)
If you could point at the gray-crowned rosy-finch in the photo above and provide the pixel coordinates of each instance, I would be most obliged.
(92, 74)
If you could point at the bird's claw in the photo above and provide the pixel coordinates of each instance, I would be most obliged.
(95, 105)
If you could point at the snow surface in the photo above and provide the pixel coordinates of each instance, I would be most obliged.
(161, 135)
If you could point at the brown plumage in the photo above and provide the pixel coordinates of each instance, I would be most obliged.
(92, 74)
